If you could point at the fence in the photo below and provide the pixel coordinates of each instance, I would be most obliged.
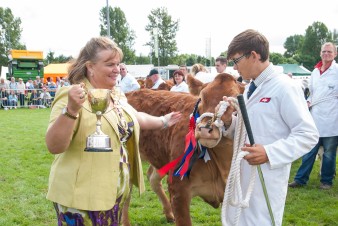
(28, 98)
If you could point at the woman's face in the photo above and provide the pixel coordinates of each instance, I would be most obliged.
(178, 78)
(103, 74)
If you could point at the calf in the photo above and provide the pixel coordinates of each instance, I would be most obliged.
(207, 179)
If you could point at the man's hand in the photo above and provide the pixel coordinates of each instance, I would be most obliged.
(257, 154)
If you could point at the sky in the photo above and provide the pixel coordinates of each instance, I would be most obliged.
(64, 26)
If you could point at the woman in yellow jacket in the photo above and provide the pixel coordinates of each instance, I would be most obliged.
(90, 188)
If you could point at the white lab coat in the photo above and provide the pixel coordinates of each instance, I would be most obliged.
(182, 87)
(205, 77)
(158, 83)
(128, 83)
(325, 114)
(285, 127)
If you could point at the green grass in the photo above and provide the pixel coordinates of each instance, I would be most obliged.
(24, 170)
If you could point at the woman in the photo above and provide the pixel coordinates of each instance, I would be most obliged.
(90, 188)
(179, 81)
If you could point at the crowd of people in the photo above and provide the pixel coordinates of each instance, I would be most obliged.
(32, 93)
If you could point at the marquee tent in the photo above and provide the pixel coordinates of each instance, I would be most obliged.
(55, 70)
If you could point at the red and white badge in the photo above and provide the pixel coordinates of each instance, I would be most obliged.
(265, 100)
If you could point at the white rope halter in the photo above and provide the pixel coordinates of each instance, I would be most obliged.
(233, 192)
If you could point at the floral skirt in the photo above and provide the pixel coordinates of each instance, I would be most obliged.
(74, 217)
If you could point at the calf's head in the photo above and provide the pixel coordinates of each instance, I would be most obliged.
(207, 131)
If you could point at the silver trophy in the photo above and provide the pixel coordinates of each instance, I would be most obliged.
(99, 100)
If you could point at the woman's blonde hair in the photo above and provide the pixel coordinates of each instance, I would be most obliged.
(77, 71)
(197, 68)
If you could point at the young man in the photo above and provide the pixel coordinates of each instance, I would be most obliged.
(282, 127)
(323, 102)
(221, 64)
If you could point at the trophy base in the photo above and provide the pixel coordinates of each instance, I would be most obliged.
(98, 143)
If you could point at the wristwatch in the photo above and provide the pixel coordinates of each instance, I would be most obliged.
(66, 113)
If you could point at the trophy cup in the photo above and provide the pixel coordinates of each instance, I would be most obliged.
(99, 100)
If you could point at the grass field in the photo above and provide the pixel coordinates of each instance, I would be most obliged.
(25, 164)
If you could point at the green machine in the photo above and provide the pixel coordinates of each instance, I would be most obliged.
(25, 64)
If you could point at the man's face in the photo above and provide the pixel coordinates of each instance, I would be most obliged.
(154, 78)
(184, 70)
(123, 70)
(242, 65)
(328, 53)
(220, 67)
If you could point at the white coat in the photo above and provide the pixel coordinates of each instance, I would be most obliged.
(325, 114)
(182, 87)
(158, 83)
(282, 123)
(128, 83)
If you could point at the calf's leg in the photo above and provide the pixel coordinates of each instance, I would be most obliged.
(155, 181)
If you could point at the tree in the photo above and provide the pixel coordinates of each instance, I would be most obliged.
(161, 21)
(120, 32)
(315, 36)
(10, 34)
(293, 45)
(51, 59)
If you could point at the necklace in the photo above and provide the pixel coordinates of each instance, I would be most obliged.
(117, 108)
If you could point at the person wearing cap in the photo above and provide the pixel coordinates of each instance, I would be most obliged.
(128, 82)
(155, 78)
(179, 81)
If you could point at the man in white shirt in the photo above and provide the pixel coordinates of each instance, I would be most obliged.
(128, 83)
(155, 78)
(323, 103)
(282, 126)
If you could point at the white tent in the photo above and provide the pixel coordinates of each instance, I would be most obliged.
(139, 71)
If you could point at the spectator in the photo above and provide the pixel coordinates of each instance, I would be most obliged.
(323, 103)
(13, 99)
(35, 98)
(29, 85)
(13, 85)
(128, 82)
(221, 64)
(282, 126)
(3, 98)
(66, 82)
(52, 88)
(179, 82)
(21, 90)
(184, 70)
(45, 98)
(58, 81)
(155, 78)
(38, 80)
(4, 84)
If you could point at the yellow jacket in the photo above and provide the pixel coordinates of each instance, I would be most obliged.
(88, 180)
